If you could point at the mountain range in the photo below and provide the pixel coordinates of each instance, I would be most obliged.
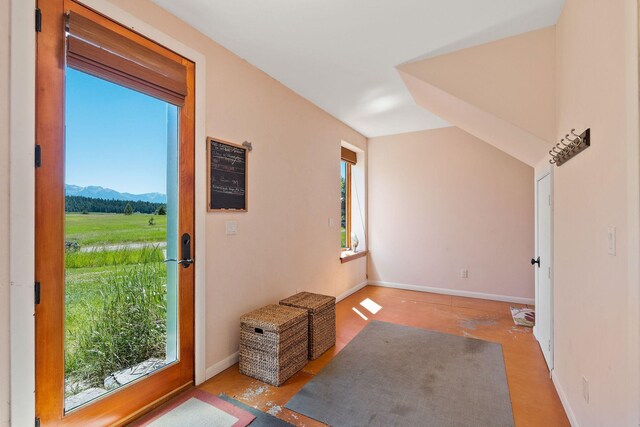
(96, 192)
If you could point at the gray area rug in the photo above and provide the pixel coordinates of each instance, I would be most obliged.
(392, 375)
(262, 418)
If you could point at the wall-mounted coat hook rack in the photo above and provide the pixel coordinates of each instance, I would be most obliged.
(565, 151)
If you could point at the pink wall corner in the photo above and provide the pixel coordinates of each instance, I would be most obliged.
(458, 203)
(511, 78)
(593, 299)
(498, 132)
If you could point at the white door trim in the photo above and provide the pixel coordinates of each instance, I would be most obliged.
(22, 196)
(22, 211)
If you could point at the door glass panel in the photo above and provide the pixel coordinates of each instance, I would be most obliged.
(121, 237)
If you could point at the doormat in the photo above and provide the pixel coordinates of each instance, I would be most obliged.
(393, 375)
(262, 418)
(523, 316)
(197, 408)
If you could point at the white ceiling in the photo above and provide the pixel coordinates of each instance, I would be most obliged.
(341, 54)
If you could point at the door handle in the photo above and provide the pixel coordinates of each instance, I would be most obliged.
(185, 242)
(185, 262)
(535, 261)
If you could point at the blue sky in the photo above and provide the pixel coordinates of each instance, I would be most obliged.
(116, 137)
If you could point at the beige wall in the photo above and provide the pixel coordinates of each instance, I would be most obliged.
(594, 299)
(4, 213)
(284, 242)
(441, 201)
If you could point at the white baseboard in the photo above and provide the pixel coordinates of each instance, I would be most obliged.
(565, 401)
(353, 290)
(225, 363)
(454, 292)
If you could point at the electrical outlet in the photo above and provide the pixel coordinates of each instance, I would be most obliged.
(585, 389)
(330, 222)
(464, 273)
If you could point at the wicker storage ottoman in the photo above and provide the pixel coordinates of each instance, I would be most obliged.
(273, 343)
(322, 320)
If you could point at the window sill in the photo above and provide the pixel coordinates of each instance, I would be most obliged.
(350, 256)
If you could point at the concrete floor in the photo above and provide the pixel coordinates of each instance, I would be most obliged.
(534, 398)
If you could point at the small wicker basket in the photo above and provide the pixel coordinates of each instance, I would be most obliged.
(273, 343)
(322, 320)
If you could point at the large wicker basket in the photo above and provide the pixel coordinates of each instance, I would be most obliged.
(273, 343)
(322, 320)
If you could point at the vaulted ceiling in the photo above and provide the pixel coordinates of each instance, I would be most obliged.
(502, 92)
(342, 54)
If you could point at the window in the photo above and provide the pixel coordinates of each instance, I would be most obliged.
(345, 196)
(348, 159)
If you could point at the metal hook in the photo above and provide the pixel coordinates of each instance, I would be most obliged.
(578, 139)
(573, 143)
(569, 146)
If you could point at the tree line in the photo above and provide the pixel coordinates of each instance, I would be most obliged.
(81, 204)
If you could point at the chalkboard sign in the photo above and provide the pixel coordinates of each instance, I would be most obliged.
(227, 173)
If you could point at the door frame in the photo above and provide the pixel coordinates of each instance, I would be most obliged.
(545, 172)
(22, 195)
(51, 72)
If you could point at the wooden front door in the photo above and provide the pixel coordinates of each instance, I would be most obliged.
(114, 219)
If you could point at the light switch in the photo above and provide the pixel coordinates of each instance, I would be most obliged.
(611, 238)
(585, 389)
(330, 222)
(231, 227)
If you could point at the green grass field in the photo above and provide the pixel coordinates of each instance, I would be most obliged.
(109, 229)
(83, 293)
(89, 276)
(85, 275)
(104, 258)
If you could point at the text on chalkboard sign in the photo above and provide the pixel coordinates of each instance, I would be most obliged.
(227, 176)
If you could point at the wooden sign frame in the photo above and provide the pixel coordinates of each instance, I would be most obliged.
(211, 140)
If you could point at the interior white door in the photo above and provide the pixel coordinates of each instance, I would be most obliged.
(543, 329)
